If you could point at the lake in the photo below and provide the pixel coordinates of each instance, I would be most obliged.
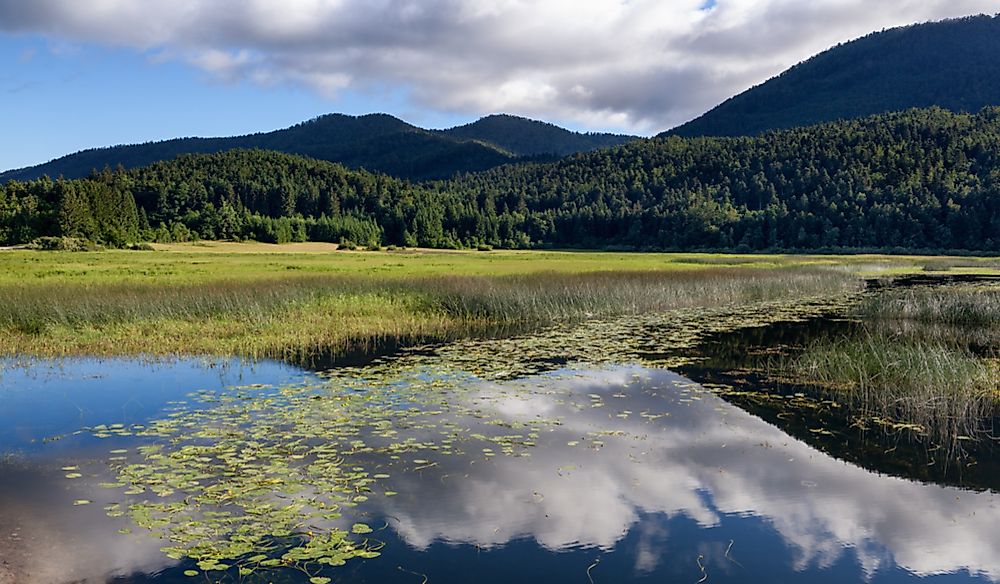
(451, 464)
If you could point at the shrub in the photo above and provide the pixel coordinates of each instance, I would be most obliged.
(64, 244)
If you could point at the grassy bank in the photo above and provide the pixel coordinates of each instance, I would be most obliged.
(241, 300)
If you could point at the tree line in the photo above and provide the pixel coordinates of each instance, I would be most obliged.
(920, 179)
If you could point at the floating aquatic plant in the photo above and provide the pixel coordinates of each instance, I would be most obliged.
(259, 478)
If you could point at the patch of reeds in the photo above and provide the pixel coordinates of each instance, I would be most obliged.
(275, 315)
(37, 308)
(948, 264)
(951, 305)
(942, 388)
(545, 298)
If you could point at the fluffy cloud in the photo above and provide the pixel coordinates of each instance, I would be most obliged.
(707, 459)
(644, 65)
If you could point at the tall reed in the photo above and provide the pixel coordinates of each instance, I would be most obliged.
(953, 305)
(941, 387)
(555, 297)
(274, 315)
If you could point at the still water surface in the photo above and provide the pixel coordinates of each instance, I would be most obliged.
(646, 477)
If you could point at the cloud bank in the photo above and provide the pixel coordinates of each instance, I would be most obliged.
(642, 65)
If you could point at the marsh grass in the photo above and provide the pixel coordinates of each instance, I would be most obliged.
(949, 264)
(315, 312)
(558, 297)
(924, 356)
(949, 305)
(942, 388)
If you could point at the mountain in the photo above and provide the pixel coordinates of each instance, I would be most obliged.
(951, 64)
(526, 137)
(917, 180)
(377, 142)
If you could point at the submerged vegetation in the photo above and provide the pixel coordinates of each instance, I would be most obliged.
(240, 483)
(256, 479)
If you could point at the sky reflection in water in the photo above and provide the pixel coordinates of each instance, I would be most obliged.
(651, 498)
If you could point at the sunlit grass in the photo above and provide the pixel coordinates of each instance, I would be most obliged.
(299, 311)
(260, 299)
(212, 261)
(942, 388)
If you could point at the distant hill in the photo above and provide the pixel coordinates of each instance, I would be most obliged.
(526, 137)
(376, 142)
(952, 64)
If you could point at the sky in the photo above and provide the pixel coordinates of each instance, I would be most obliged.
(76, 75)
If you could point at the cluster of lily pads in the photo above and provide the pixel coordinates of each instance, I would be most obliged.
(257, 478)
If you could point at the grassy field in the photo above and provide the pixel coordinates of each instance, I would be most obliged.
(214, 261)
(265, 300)
(268, 300)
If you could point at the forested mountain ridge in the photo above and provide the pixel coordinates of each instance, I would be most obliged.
(525, 137)
(920, 179)
(376, 142)
(951, 64)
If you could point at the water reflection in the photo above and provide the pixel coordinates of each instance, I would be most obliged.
(646, 471)
(706, 461)
(44, 536)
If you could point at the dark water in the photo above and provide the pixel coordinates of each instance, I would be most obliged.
(648, 478)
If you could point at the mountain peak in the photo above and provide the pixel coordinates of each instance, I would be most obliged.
(950, 64)
(528, 137)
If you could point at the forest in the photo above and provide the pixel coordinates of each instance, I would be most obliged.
(919, 180)
(950, 64)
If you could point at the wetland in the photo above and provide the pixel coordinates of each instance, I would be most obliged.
(695, 429)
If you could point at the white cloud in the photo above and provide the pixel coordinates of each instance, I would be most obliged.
(707, 459)
(645, 65)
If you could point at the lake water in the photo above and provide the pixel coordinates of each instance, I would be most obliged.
(578, 474)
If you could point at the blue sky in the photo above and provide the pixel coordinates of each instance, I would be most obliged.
(58, 97)
(87, 74)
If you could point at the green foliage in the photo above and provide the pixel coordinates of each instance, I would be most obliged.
(64, 244)
(921, 179)
(100, 209)
(950, 64)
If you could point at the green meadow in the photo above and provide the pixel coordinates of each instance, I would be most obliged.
(264, 301)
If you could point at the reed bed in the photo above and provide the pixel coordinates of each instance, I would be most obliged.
(940, 388)
(972, 306)
(275, 316)
(558, 297)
